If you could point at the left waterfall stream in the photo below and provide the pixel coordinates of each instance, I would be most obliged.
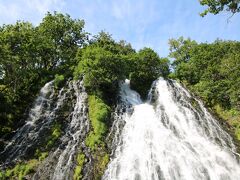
(65, 109)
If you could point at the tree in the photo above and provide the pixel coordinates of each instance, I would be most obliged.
(59, 38)
(210, 70)
(216, 6)
(180, 49)
(105, 40)
(102, 70)
(147, 67)
(17, 64)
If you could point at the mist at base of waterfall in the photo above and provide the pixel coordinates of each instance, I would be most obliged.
(168, 139)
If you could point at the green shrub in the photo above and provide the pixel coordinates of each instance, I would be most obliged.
(58, 81)
(101, 69)
(232, 116)
(2, 175)
(236, 125)
(99, 113)
(56, 133)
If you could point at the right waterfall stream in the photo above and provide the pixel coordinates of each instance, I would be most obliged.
(168, 138)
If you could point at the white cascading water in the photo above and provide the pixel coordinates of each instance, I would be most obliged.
(170, 139)
(48, 108)
(75, 132)
(39, 118)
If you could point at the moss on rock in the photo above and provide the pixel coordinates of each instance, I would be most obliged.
(99, 114)
(78, 169)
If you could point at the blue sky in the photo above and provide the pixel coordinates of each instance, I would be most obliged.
(143, 23)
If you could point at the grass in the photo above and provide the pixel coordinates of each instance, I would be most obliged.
(101, 161)
(41, 155)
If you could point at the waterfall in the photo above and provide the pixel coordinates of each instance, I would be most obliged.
(60, 163)
(38, 120)
(68, 107)
(168, 138)
(171, 136)
(76, 131)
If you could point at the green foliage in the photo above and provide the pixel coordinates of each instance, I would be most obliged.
(237, 129)
(180, 49)
(147, 67)
(211, 70)
(16, 64)
(99, 114)
(60, 37)
(43, 155)
(105, 41)
(31, 56)
(50, 140)
(102, 160)
(59, 80)
(216, 6)
(232, 116)
(20, 170)
(2, 175)
(56, 133)
(104, 63)
(57, 47)
(78, 169)
(101, 69)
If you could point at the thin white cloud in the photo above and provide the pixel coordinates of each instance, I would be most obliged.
(32, 10)
(121, 10)
(43, 6)
(9, 12)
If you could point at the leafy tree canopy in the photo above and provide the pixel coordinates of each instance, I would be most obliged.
(147, 67)
(216, 6)
(101, 69)
(211, 70)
